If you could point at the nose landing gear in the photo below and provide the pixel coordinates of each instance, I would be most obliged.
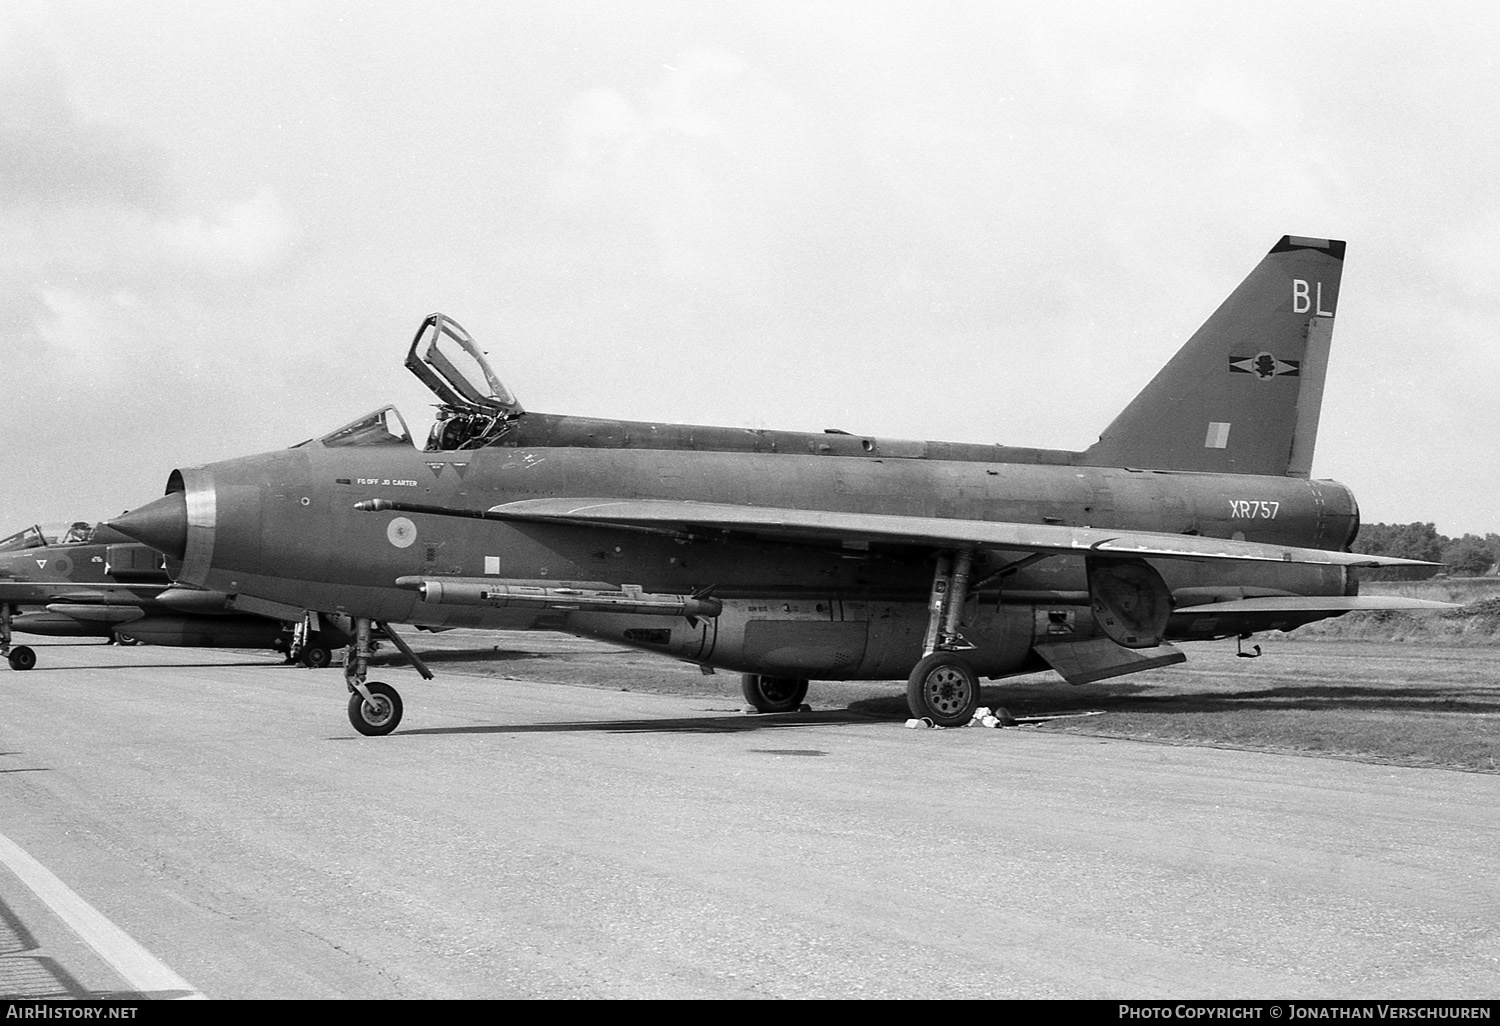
(22, 657)
(374, 707)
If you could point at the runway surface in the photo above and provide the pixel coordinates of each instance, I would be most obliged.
(515, 839)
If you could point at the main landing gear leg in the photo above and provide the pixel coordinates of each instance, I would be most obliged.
(374, 708)
(308, 646)
(299, 638)
(22, 657)
(944, 688)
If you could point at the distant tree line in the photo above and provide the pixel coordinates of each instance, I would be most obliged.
(1469, 556)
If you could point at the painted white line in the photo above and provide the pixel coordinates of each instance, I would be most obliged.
(141, 970)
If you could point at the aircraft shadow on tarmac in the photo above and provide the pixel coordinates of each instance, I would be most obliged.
(467, 655)
(26, 975)
(1039, 700)
(160, 666)
(735, 724)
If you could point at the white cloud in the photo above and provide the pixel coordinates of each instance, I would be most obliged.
(246, 237)
(52, 156)
(672, 172)
(1468, 256)
(800, 209)
(1244, 100)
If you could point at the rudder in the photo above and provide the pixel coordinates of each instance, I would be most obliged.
(1243, 395)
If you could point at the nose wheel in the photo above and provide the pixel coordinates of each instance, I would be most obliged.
(376, 710)
(22, 657)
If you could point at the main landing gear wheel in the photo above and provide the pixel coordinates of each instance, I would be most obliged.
(378, 716)
(316, 656)
(944, 690)
(121, 639)
(773, 694)
(22, 657)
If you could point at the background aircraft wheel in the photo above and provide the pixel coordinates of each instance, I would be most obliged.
(943, 689)
(378, 717)
(316, 656)
(22, 657)
(773, 694)
(121, 639)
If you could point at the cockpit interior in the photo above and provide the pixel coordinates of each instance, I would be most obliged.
(41, 535)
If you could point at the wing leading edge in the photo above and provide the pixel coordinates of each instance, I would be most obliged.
(673, 516)
(833, 526)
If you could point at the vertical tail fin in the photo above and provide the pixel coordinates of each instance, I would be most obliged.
(1243, 395)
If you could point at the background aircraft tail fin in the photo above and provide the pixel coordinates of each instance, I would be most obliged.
(1243, 395)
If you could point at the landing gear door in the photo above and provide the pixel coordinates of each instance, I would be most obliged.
(449, 361)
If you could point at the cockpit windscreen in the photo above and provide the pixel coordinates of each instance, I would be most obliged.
(383, 427)
(40, 535)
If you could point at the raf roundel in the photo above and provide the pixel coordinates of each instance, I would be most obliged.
(401, 532)
(1265, 366)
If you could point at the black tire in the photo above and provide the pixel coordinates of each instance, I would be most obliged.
(315, 656)
(22, 657)
(121, 639)
(773, 694)
(944, 690)
(379, 718)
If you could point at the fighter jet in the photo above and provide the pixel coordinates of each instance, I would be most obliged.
(790, 556)
(80, 580)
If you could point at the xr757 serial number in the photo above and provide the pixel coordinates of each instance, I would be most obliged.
(1254, 509)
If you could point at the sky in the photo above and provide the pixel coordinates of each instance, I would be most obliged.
(220, 224)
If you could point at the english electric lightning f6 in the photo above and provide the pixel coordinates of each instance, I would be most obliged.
(86, 581)
(790, 556)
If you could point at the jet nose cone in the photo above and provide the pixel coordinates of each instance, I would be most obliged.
(161, 524)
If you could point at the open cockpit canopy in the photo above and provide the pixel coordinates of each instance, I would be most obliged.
(448, 360)
(474, 405)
